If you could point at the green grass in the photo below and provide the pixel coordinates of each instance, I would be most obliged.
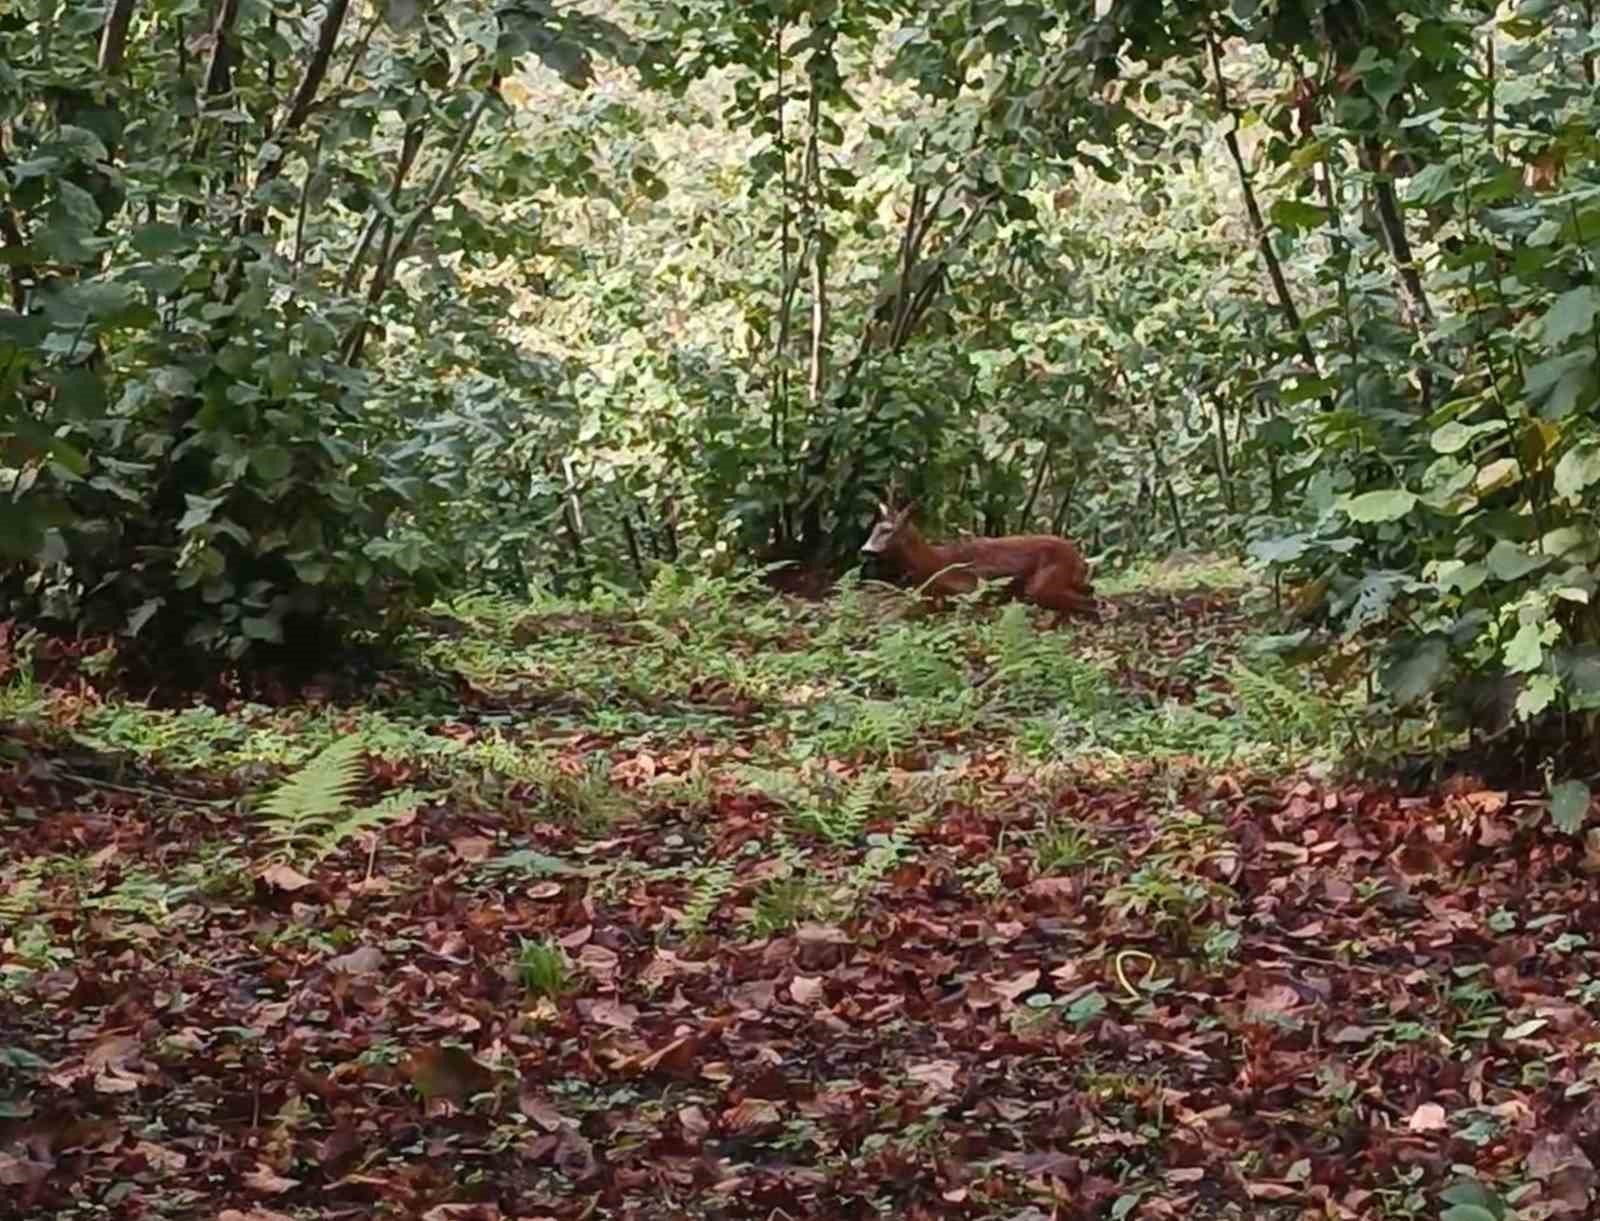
(543, 969)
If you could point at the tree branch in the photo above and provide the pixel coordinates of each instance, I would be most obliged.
(1269, 256)
(383, 274)
(114, 37)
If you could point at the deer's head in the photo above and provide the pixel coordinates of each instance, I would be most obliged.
(890, 523)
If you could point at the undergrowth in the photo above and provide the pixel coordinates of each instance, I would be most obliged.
(851, 724)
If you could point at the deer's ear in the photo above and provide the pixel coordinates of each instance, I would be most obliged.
(906, 512)
(884, 510)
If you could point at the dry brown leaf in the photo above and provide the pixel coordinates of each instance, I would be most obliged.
(1565, 1169)
(1273, 1001)
(807, 990)
(268, 1182)
(448, 1072)
(472, 847)
(364, 960)
(611, 1013)
(1017, 986)
(1429, 1117)
(599, 962)
(751, 1114)
(284, 878)
(937, 1075)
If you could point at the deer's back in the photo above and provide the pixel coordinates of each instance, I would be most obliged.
(1017, 555)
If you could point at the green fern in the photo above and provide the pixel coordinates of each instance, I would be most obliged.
(884, 853)
(711, 885)
(380, 814)
(1281, 713)
(836, 811)
(308, 816)
(19, 897)
(841, 821)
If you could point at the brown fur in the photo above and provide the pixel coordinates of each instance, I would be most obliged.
(1043, 569)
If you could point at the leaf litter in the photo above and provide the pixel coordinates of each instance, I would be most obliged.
(625, 980)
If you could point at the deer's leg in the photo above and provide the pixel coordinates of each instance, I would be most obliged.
(1051, 588)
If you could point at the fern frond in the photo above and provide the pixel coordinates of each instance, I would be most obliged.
(711, 885)
(380, 814)
(321, 787)
(310, 798)
(19, 900)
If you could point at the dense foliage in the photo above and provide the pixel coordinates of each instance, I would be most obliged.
(233, 235)
(316, 304)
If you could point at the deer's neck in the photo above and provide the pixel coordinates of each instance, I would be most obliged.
(917, 555)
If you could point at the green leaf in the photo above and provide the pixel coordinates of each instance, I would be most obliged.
(1572, 313)
(1085, 1009)
(1279, 550)
(1471, 1195)
(200, 511)
(157, 240)
(1509, 562)
(401, 15)
(1523, 1029)
(568, 60)
(1431, 184)
(141, 615)
(312, 572)
(1538, 695)
(78, 206)
(1557, 385)
(1464, 578)
(1454, 436)
(282, 369)
(272, 462)
(1469, 1191)
(1569, 806)
(1578, 468)
(1417, 671)
(1296, 216)
(1390, 504)
(1524, 652)
(258, 628)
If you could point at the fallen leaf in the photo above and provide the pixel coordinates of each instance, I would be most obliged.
(446, 1071)
(284, 878)
(1274, 1001)
(268, 1182)
(20, 1172)
(472, 847)
(365, 960)
(1429, 1117)
(937, 1075)
(751, 1114)
(676, 1058)
(807, 990)
(1262, 1190)
(694, 1121)
(599, 962)
(611, 1013)
(1557, 1161)
(1018, 986)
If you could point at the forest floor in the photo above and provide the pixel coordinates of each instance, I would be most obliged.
(715, 905)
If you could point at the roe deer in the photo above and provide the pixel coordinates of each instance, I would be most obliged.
(1043, 569)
